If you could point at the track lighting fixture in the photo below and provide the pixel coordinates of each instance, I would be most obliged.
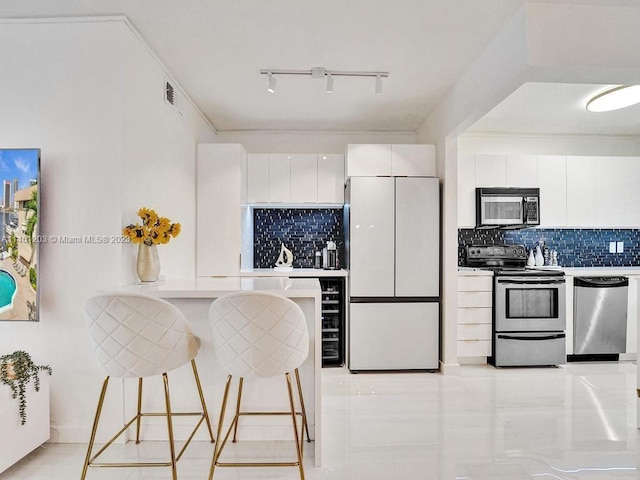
(272, 83)
(320, 72)
(378, 84)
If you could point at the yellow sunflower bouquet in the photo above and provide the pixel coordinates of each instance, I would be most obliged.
(154, 229)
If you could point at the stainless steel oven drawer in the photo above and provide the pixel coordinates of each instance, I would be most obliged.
(516, 349)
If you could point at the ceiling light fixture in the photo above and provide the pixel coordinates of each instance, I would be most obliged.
(615, 98)
(320, 72)
(272, 83)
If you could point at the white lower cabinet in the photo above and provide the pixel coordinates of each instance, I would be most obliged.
(16, 440)
(474, 317)
(393, 336)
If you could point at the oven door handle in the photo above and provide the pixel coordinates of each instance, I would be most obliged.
(531, 281)
(517, 337)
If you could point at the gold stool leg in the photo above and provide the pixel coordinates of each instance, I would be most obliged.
(304, 412)
(218, 446)
(237, 417)
(204, 405)
(139, 416)
(94, 429)
(172, 447)
(295, 427)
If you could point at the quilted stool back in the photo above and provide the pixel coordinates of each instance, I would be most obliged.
(259, 333)
(138, 335)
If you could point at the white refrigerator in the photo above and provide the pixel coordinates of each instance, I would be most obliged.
(393, 239)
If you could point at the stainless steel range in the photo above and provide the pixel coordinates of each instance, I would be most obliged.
(529, 307)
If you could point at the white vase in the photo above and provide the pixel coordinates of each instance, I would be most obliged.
(148, 265)
(539, 257)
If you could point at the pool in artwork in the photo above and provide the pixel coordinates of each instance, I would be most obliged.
(7, 289)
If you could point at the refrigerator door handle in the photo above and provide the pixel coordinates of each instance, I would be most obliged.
(522, 337)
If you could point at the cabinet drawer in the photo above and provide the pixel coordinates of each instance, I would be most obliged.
(474, 348)
(478, 331)
(474, 315)
(475, 283)
(474, 299)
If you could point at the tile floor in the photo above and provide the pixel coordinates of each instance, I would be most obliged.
(573, 422)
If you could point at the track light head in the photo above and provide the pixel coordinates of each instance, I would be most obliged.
(378, 84)
(272, 83)
(329, 83)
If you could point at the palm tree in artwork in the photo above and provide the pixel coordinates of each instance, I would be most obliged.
(31, 207)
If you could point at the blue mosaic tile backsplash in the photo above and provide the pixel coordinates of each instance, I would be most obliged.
(577, 247)
(302, 230)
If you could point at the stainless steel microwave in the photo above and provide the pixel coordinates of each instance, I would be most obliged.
(507, 207)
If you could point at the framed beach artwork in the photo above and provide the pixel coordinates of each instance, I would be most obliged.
(20, 236)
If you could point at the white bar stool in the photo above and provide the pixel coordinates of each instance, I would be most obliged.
(259, 334)
(138, 336)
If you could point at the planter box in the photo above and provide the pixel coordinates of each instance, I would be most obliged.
(17, 440)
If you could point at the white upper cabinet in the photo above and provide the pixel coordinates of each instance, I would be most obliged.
(331, 178)
(575, 191)
(258, 178)
(466, 191)
(365, 160)
(218, 199)
(413, 160)
(397, 160)
(491, 171)
(617, 196)
(304, 178)
(295, 178)
(552, 180)
(280, 178)
(581, 191)
(522, 171)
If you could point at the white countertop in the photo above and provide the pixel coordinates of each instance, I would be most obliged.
(296, 272)
(213, 287)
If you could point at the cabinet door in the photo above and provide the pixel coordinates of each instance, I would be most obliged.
(413, 160)
(617, 191)
(522, 171)
(417, 237)
(218, 198)
(371, 232)
(393, 336)
(279, 178)
(552, 180)
(581, 192)
(257, 178)
(364, 160)
(331, 178)
(466, 191)
(491, 171)
(304, 178)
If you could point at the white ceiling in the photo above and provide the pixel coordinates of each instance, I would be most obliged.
(552, 108)
(216, 48)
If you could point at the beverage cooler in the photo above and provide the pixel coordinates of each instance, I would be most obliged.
(333, 316)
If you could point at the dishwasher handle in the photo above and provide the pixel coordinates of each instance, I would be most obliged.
(600, 282)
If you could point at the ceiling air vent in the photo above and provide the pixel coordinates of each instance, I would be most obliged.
(169, 93)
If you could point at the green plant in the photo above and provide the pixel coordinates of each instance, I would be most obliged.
(13, 245)
(33, 280)
(17, 370)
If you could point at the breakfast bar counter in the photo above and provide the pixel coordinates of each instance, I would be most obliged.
(194, 297)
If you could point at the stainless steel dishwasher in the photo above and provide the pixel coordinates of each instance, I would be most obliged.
(599, 317)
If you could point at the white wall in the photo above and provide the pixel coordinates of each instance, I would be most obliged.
(71, 89)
